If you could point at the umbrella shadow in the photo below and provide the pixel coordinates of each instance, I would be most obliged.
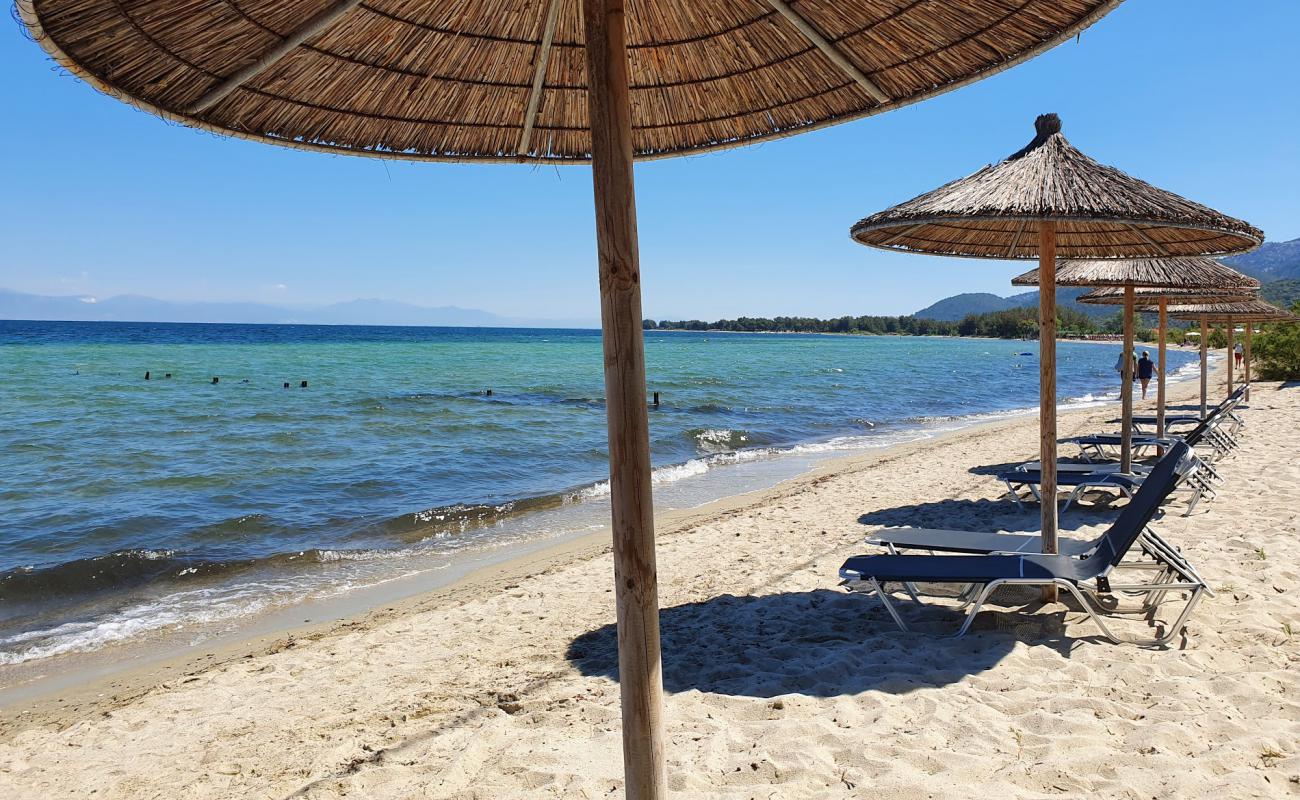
(820, 643)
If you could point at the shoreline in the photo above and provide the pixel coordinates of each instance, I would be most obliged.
(67, 695)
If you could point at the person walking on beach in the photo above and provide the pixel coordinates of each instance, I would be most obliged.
(1119, 367)
(1238, 353)
(1145, 369)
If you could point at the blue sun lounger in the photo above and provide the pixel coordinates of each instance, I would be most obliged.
(983, 574)
(1031, 479)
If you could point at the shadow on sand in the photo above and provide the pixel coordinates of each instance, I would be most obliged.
(821, 643)
(993, 515)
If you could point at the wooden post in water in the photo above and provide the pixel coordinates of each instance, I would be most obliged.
(1246, 365)
(1160, 379)
(635, 578)
(1205, 366)
(1126, 390)
(1231, 356)
(1047, 387)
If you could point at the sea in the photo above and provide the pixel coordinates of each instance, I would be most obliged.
(179, 480)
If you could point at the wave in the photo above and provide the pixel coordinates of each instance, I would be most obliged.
(712, 440)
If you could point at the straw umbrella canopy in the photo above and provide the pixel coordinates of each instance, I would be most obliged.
(1050, 199)
(1230, 312)
(1128, 274)
(551, 81)
(1150, 299)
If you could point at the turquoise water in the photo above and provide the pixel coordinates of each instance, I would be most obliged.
(132, 505)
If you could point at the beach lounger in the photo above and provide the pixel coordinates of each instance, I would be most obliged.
(899, 539)
(1210, 431)
(1103, 476)
(981, 575)
(1020, 478)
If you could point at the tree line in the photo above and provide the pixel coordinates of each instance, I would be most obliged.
(1016, 323)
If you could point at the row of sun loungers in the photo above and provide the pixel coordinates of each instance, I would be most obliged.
(1129, 560)
(1216, 434)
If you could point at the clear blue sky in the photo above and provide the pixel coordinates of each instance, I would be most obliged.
(96, 198)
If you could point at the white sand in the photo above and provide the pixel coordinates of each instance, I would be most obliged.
(778, 684)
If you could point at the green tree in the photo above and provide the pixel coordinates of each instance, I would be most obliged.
(1277, 349)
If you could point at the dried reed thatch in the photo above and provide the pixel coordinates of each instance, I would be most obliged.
(1246, 311)
(1166, 273)
(1098, 211)
(1148, 298)
(506, 79)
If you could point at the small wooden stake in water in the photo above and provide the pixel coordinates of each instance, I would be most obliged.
(656, 400)
(215, 380)
(303, 385)
(146, 375)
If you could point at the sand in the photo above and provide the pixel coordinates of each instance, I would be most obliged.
(778, 684)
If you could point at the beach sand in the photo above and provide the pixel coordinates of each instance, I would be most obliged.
(778, 684)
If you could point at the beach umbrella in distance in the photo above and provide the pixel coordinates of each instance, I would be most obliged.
(1157, 300)
(551, 81)
(1128, 274)
(1230, 312)
(1044, 201)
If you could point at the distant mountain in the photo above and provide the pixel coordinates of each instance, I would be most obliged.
(958, 307)
(135, 308)
(1271, 262)
(1281, 293)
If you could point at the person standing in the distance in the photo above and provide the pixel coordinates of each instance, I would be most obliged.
(1238, 353)
(1145, 369)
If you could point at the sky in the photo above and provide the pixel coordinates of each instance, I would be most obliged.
(99, 199)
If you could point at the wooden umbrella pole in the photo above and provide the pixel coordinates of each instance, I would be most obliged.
(1047, 387)
(1160, 379)
(635, 579)
(1230, 326)
(1246, 377)
(1126, 389)
(1205, 366)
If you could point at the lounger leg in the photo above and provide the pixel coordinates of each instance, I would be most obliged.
(975, 608)
(908, 586)
(1014, 494)
(1197, 491)
(1173, 630)
(1073, 496)
(889, 606)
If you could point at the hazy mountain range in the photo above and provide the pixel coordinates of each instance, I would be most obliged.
(136, 308)
(1275, 264)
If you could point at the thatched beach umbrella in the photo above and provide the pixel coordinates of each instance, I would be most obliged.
(1050, 200)
(1230, 312)
(1157, 300)
(1127, 275)
(558, 81)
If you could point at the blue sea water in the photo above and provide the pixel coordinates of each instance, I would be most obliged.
(130, 505)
